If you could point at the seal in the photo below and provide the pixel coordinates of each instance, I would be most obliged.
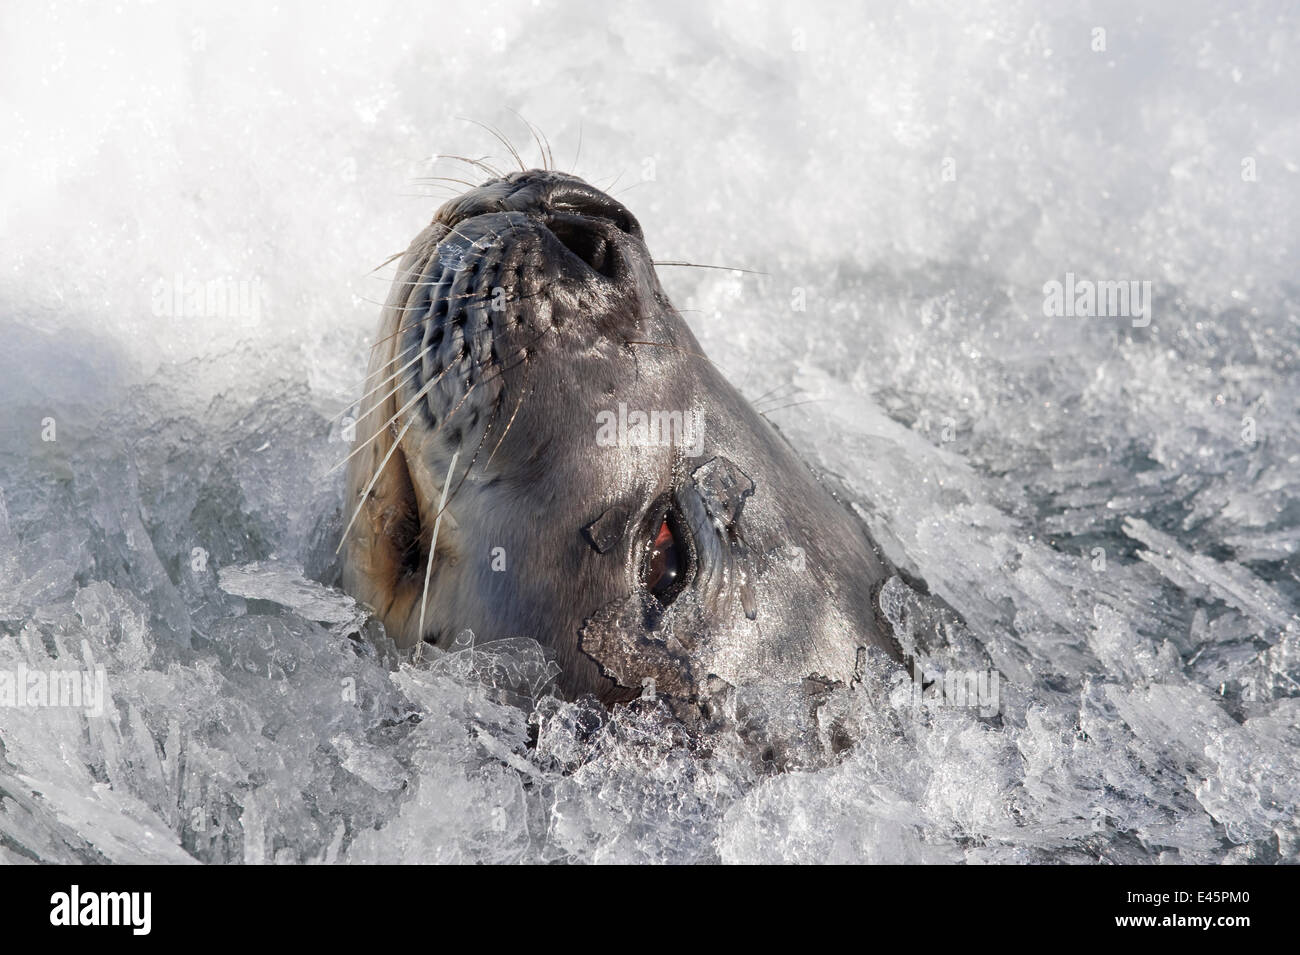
(543, 450)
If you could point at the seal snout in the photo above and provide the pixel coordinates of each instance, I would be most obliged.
(585, 220)
(516, 273)
(538, 194)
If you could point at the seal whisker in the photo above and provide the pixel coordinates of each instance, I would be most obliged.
(500, 137)
(467, 296)
(398, 308)
(487, 378)
(433, 542)
(615, 182)
(388, 261)
(548, 155)
(469, 467)
(523, 390)
(536, 138)
(577, 155)
(390, 394)
(423, 282)
(380, 403)
(371, 485)
(380, 430)
(397, 443)
(449, 193)
(778, 387)
(432, 182)
(549, 152)
(724, 268)
(490, 170)
(464, 297)
(382, 383)
(499, 372)
(463, 182)
(793, 404)
(773, 393)
(453, 230)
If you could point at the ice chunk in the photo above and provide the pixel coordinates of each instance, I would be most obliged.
(285, 584)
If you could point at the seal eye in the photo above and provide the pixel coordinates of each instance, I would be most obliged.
(663, 565)
(666, 562)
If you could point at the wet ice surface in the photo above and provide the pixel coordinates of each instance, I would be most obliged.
(1110, 508)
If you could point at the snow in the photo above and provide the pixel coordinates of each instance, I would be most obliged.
(192, 209)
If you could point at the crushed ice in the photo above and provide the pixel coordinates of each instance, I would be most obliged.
(1111, 508)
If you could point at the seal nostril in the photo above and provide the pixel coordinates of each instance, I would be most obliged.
(582, 200)
(585, 239)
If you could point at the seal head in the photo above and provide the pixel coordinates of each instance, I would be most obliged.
(594, 481)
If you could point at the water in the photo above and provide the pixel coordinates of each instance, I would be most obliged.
(192, 207)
